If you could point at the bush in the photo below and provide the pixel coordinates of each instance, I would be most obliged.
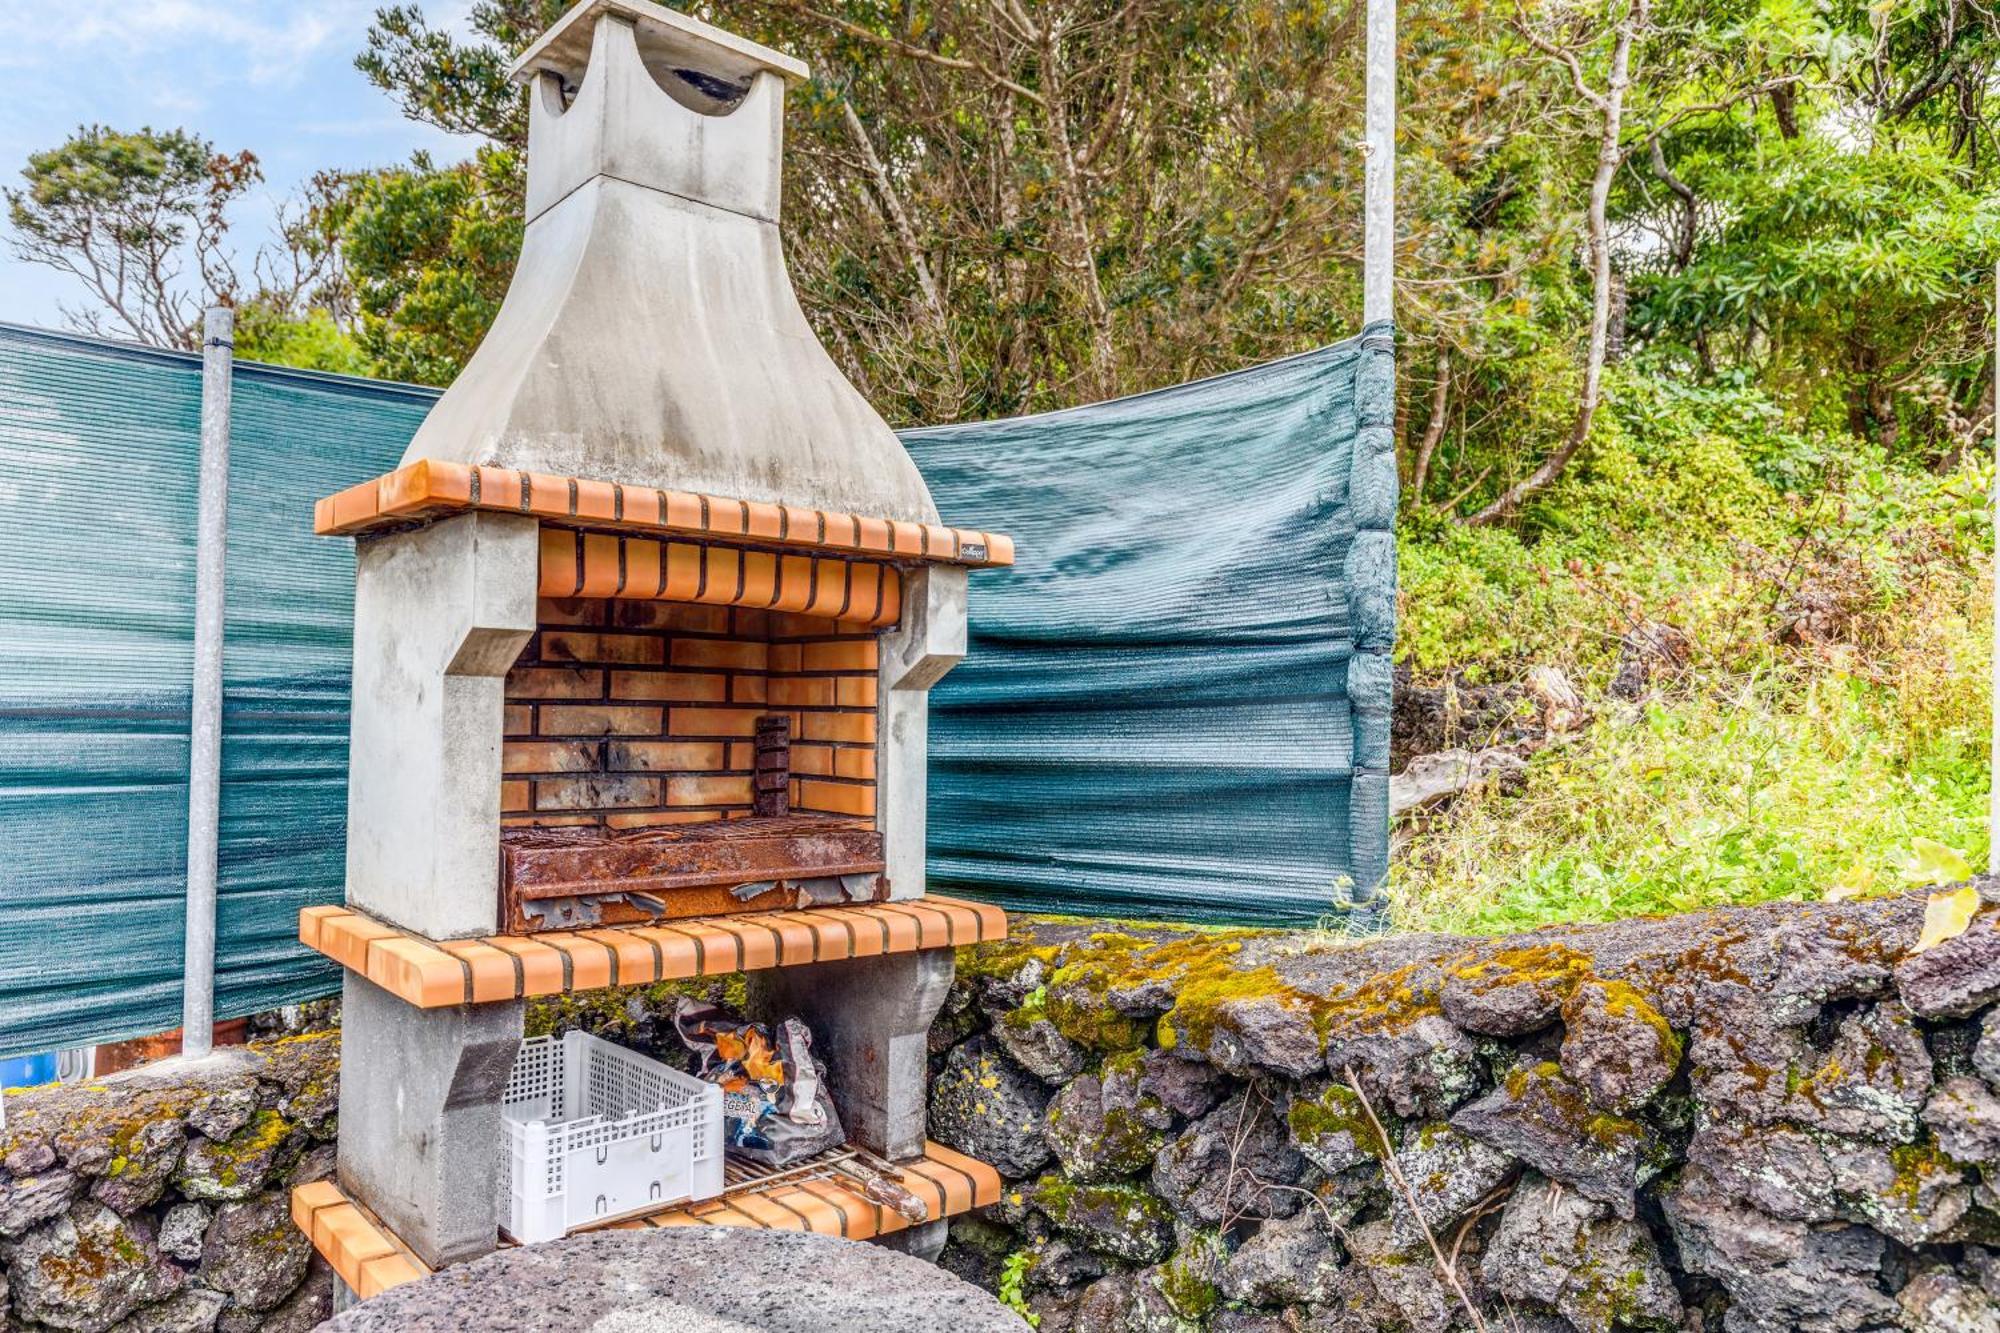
(1836, 715)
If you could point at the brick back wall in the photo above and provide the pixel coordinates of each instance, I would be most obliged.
(633, 713)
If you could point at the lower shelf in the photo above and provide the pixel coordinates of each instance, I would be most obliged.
(370, 1259)
(366, 1254)
(434, 974)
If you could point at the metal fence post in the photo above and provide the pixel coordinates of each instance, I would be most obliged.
(1378, 264)
(205, 727)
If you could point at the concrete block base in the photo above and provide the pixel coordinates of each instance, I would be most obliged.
(871, 1020)
(925, 1242)
(420, 1131)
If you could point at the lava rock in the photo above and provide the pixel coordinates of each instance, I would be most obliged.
(30, 1156)
(182, 1229)
(26, 1201)
(307, 1069)
(1538, 1115)
(1423, 1068)
(1096, 1143)
(1186, 1088)
(1248, 1035)
(1909, 1193)
(1779, 1170)
(1871, 1083)
(1403, 1279)
(254, 1252)
(1039, 1048)
(1561, 1250)
(1782, 1276)
(1964, 1115)
(189, 1310)
(1249, 1321)
(1062, 1265)
(237, 1167)
(224, 1111)
(1955, 978)
(1511, 1001)
(1104, 1304)
(1616, 1045)
(652, 1280)
(307, 1307)
(1986, 1052)
(987, 1107)
(1329, 1126)
(1939, 1301)
(1449, 1174)
(138, 1174)
(89, 1269)
(1234, 1162)
(1122, 1221)
(1288, 1262)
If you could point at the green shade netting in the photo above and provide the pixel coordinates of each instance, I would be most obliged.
(1175, 705)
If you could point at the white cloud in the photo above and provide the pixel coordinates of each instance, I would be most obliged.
(268, 42)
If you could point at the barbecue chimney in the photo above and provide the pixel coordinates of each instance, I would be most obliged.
(652, 604)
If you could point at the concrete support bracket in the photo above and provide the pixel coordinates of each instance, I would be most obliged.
(440, 613)
(928, 642)
(421, 1141)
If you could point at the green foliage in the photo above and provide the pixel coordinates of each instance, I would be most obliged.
(128, 214)
(1840, 276)
(431, 251)
(1830, 736)
(312, 342)
(1013, 1289)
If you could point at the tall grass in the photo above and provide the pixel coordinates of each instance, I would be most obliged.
(1781, 764)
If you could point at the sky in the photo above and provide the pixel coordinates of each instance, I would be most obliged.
(274, 76)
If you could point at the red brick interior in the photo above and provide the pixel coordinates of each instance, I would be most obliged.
(630, 713)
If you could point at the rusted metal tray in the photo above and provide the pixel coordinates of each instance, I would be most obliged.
(576, 878)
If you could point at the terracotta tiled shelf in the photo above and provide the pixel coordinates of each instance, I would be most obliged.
(433, 975)
(430, 489)
(360, 1249)
(371, 1260)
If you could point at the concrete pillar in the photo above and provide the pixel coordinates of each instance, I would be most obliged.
(915, 655)
(871, 1022)
(440, 613)
(420, 1132)
(925, 1242)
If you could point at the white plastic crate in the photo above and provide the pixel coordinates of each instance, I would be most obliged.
(595, 1132)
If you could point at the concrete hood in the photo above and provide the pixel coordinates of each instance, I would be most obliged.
(651, 335)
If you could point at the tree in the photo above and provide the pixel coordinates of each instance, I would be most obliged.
(139, 218)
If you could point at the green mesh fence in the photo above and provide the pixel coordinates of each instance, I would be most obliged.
(1175, 705)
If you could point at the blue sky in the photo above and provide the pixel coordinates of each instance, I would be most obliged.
(274, 76)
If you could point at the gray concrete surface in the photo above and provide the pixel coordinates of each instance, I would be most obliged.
(871, 1020)
(439, 615)
(688, 1280)
(651, 335)
(420, 1133)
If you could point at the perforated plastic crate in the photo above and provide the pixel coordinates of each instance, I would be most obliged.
(595, 1133)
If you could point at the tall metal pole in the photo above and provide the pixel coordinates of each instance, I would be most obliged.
(1378, 264)
(205, 729)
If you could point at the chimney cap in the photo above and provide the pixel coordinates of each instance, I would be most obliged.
(665, 37)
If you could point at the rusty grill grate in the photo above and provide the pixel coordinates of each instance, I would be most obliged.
(739, 1176)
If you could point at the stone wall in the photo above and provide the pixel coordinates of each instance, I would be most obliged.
(158, 1201)
(1762, 1120)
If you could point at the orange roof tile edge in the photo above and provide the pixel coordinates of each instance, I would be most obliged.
(437, 974)
(429, 489)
